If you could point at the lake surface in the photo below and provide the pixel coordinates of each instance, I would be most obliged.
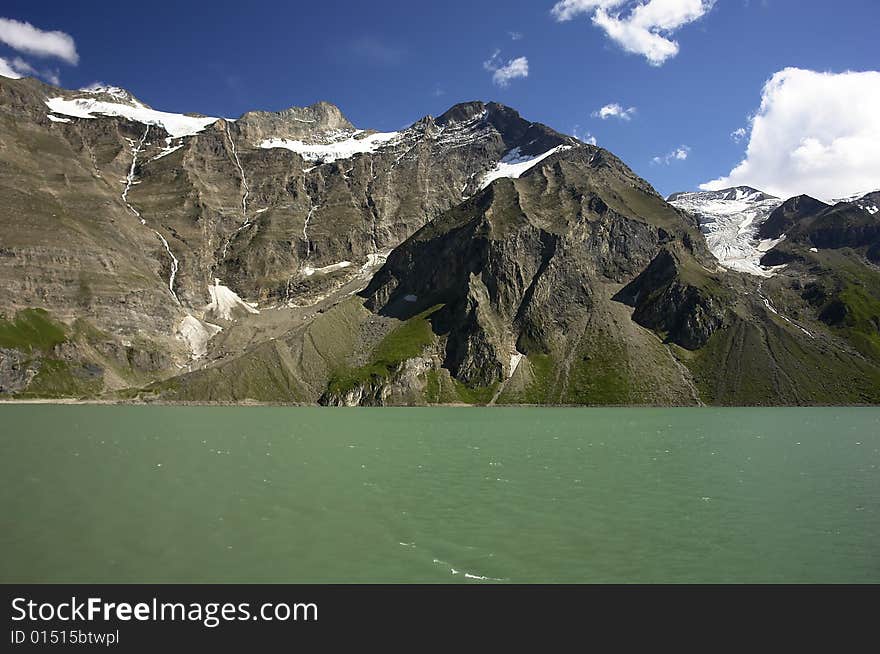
(260, 494)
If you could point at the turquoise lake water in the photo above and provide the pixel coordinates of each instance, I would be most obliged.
(266, 494)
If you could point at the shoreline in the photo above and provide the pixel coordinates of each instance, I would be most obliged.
(460, 405)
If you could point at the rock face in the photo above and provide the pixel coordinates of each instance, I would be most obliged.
(809, 223)
(523, 268)
(17, 370)
(665, 300)
(295, 123)
(125, 215)
(789, 213)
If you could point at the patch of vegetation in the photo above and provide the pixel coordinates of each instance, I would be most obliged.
(406, 341)
(58, 378)
(846, 297)
(260, 375)
(539, 391)
(861, 319)
(433, 387)
(477, 395)
(763, 364)
(331, 337)
(85, 330)
(598, 375)
(32, 330)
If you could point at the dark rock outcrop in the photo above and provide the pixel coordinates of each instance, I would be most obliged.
(665, 301)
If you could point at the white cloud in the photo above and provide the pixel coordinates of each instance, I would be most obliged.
(23, 67)
(7, 70)
(643, 27)
(586, 137)
(679, 154)
(26, 38)
(814, 133)
(614, 110)
(17, 68)
(738, 134)
(503, 72)
(515, 36)
(51, 76)
(568, 9)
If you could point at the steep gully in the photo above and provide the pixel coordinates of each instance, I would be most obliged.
(136, 148)
(246, 222)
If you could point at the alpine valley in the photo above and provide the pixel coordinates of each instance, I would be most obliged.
(471, 258)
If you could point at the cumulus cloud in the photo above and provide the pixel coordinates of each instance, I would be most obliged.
(643, 27)
(515, 36)
(31, 40)
(503, 72)
(679, 154)
(614, 110)
(814, 133)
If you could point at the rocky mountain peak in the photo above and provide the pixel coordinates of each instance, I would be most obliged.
(294, 123)
(789, 213)
(736, 193)
(109, 93)
(462, 112)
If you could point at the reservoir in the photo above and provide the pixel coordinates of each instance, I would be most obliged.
(96, 493)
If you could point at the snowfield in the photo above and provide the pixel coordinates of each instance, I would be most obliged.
(308, 271)
(177, 125)
(514, 164)
(337, 145)
(730, 221)
(224, 302)
(196, 334)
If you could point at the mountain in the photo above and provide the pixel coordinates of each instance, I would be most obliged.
(835, 251)
(475, 257)
(730, 220)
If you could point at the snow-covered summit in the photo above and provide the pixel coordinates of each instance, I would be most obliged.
(120, 94)
(730, 219)
(101, 100)
(734, 194)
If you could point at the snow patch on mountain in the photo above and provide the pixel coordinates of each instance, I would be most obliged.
(308, 271)
(730, 220)
(514, 164)
(177, 125)
(225, 302)
(168, 149)
(336, 145)
(196, 334)
(851, 198)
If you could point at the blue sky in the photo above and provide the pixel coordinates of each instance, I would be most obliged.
(388, 62)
